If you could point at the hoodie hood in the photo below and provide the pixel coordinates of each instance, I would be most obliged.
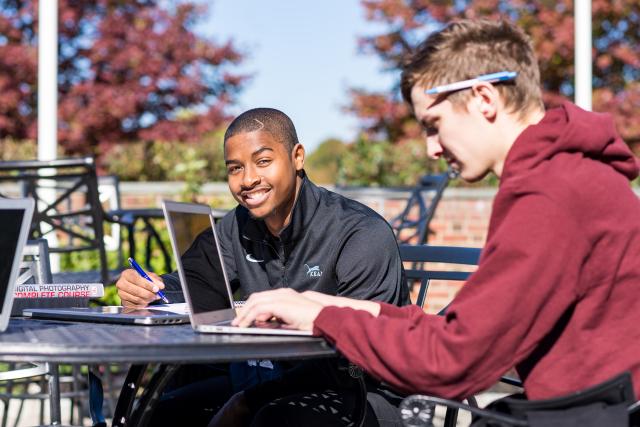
(571, 130)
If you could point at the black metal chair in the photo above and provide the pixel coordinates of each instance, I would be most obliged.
(611, 403)
(68, 205)
(412, 225)
(418, 255)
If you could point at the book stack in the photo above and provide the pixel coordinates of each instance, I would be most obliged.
(54, 295)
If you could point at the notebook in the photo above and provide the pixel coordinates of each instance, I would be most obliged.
(210, 298)
(15, 220)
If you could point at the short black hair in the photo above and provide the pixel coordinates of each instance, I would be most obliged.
(277, 123)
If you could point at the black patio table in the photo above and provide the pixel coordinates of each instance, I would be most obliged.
(54, 342)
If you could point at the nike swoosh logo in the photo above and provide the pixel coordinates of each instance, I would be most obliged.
(250, 258)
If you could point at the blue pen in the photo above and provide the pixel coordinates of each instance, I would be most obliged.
(502, 76)
(142, 273)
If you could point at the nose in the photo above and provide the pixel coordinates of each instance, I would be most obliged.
(434, 149)
(250, 178)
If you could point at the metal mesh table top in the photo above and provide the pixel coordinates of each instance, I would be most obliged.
(56, 341)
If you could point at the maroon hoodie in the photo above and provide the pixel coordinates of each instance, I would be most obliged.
(557, 290)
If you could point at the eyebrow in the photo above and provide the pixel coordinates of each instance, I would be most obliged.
(439, 98)
(260, 151)
(254, 154)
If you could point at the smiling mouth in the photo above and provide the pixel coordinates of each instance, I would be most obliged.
(255, 198)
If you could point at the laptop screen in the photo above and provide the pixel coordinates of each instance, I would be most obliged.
(10, 225)
(204, 280)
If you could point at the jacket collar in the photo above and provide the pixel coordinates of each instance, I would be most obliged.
(304, 209)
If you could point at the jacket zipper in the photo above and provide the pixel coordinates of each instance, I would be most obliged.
(280, 254)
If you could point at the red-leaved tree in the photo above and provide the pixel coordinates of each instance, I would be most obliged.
(128, 71)
(616, 53)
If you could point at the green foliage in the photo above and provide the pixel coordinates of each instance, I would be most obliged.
(110, 296)
(191, 170)
(380, 163)
(17, 149)
(323, 163)
(194, 163)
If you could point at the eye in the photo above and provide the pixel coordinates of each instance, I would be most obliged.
(263, 162)
(232, 170)
(431, 130)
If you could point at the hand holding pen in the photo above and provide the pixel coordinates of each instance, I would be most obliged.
(144, 275)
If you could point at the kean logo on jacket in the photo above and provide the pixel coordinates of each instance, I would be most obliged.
(313, 271)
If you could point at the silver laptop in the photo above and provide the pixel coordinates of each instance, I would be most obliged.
(210, 298)
(149, 316)
(15, 220)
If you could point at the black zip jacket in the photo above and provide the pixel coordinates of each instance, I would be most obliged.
(332, 245)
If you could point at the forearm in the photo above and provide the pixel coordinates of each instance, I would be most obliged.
(370, 307)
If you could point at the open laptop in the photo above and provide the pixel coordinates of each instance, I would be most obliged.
(210, 298)
(15, 220)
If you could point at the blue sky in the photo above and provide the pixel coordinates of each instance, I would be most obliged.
(303, 55)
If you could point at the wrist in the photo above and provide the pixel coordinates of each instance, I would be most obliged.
(371, 307)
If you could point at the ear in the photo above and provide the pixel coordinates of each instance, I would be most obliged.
(486, 99)
(297, 156)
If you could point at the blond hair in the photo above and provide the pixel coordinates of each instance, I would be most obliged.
(469, 48)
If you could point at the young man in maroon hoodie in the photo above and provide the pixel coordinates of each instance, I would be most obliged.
(556, 290)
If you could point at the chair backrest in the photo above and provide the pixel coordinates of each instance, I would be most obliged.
(35, 267)
(418, 255)
(412, 225)
(67, 203)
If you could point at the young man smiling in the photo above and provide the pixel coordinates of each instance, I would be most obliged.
(555, 292)
(285, 233)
